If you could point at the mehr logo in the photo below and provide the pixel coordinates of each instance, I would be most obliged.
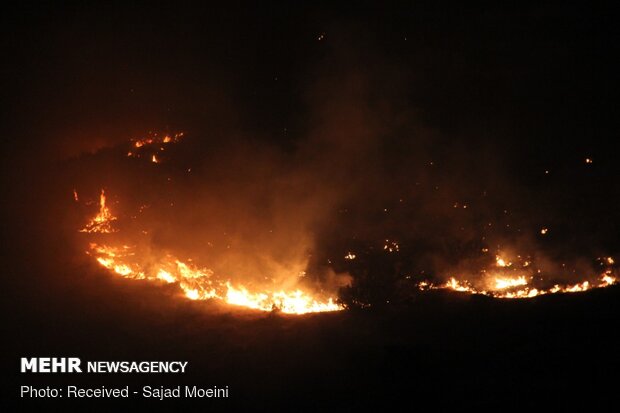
(50, 365)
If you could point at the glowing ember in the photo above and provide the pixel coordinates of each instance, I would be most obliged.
(391, 246)
(152, 145)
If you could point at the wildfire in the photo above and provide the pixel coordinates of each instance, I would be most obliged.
(102, 222)
(196, 283)
(295, 302)
(503, 283)
(506, 288)
(152, 145)
(155, 139)
(519, 280)
(500, 279)
(200, 284)
(456, 285)
(518, 287)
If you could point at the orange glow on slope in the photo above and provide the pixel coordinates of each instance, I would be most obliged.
(200, 283)
(519, 278)
(195, 283)
(516, 288)
(102, 222)
(508, 276)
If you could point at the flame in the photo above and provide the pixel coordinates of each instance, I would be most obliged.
(456, 285)
(584, 286)
(152, 145)
(199, 284)
(102, 222)
(506, 287)
(608, 279)
(295, 302)
(196, 283)
(166, 276)
(504, 280)
(503, 283)
(501, 262)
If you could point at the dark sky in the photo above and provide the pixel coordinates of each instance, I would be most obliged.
(532, 76)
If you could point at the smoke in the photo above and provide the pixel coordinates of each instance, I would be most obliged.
(361, 169)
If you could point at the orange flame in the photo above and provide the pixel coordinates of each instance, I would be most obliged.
(195, 283)
(199, 284)
(102, 221)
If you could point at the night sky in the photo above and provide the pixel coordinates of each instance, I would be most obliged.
(325, 116)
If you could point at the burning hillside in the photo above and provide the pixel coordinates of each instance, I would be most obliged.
(127, 245)
(137, 259)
